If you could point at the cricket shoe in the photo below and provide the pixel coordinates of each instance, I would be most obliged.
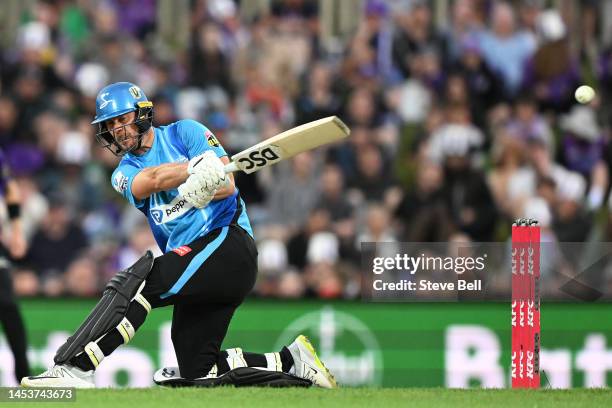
(238, 377)
(167, 376)
(61, 376)
(307, 365)
(171, 377)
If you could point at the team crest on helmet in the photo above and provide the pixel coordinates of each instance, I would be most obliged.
(135, 91)
(105, 101)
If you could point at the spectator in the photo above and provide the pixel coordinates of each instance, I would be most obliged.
(332, 198)
(457, 137)
(528, 124)
(57, 243)
(135, 18)
(415, 34)
(466, 193)
(8, 120)
(583, 144)
(324, 281)
(272, 265)
(464, 25)
(373, 179)
(299, 244)
(571, 223)
(484, 85)
(291, 286)
(116, 59)
(505, 48)
(604, 76)
(422, 213)
(553, 84)
(377, 226)
(508, 159)
(362, 109)
(376, 30)
(82, 278)
(317, 99)
(292, 194)
(140, 241)
(209, 66)
(29, 90)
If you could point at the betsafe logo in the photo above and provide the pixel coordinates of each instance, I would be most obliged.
(171, 211)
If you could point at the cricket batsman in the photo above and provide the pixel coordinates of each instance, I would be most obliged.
(175, 175)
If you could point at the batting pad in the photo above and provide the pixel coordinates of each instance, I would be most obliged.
(110, 310)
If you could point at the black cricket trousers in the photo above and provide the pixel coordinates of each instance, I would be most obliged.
(205, 282)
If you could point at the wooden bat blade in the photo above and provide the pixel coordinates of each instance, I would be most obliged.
(289, 143)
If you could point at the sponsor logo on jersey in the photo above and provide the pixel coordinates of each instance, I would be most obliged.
(157, 215)
(171, 211)
(212, 140)
(120, 182)
(182, 250)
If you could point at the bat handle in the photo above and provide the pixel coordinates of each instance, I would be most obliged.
(230, 168)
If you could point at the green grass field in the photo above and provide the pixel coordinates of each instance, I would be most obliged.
(349, 397)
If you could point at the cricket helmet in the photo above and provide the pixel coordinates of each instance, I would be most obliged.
(118, 99)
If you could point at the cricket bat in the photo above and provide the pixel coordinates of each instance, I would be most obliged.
(288, 144)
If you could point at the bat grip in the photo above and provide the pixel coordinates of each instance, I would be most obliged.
(230, 168)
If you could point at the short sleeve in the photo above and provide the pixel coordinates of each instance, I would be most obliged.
(197, 138)
(122, 179)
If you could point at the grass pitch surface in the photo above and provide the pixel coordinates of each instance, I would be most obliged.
(344, 397)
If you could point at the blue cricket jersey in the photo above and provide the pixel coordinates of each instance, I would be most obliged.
(175, 222)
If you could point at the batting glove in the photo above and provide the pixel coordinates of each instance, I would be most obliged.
(210, 165)
(197, 190)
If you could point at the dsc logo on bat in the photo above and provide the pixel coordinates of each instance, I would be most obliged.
(256, 159)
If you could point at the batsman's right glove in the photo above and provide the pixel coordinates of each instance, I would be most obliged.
(207, 175)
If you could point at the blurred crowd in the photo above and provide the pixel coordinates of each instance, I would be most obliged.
(459, 126)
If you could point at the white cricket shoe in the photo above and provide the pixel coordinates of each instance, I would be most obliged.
(166, 375)
(61, 376)
(171, 376)
(307, 365)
